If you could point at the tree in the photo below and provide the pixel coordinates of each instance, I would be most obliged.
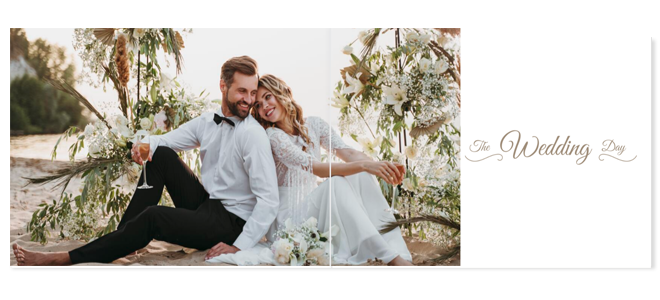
(36, 107)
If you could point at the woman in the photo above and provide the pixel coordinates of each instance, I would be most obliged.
(358, 206)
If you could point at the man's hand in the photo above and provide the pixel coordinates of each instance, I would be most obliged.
(135, 154)
(221, 248)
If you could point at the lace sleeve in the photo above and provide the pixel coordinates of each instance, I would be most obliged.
(286, 152)
(327, 134)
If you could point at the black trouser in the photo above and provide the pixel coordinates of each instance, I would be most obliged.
(196, 222)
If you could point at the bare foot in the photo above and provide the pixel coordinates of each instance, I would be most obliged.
(32, 258)
(398, 261)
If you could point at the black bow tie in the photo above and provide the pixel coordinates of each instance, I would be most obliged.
(217, 118)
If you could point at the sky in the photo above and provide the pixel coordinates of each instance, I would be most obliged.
(309, 61)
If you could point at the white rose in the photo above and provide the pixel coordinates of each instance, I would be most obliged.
(444, 41)
(120, 120)
(408, 185)
(425, 38)
(94, 150)
(139, 32)
(89, 130)
(425, 64)
(145, 123)
(126, 132)
(347, 50)
(318, 255)
(439, 172)
(411, 152)
(412, 37)
(363, 36)
(160, 119)
(440, 67)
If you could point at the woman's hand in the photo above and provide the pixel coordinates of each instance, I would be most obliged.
(383, 169)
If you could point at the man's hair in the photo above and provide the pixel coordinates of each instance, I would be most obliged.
(242, 64)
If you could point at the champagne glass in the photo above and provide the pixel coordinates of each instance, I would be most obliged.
(402, 170)
(144, 149)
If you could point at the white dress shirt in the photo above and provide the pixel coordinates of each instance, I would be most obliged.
(237, 168)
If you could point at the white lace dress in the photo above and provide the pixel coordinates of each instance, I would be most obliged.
(354, 204)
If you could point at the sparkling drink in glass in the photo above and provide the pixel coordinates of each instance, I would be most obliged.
(144, 148)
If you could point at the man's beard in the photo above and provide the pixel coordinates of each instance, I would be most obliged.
(233, 107)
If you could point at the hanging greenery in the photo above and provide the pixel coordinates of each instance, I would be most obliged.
(406, 99)
(114, 55)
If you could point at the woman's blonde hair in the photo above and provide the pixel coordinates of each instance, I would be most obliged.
(293, 113)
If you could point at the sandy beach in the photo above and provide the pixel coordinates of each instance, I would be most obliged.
(26, 162)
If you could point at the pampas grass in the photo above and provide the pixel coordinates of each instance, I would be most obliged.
(121, 60)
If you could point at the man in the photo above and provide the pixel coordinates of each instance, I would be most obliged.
(231, 209)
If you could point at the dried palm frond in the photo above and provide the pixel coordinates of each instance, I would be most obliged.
(179, 39)
(353, 70)
(61, 85)
(450, 31)
(170, 36)
(440, 51)
(64, 175)
(369, 45)
(428, 130)
(423, 218)
(121, 60)
(105, 35)
(453, 252)
(122, 91)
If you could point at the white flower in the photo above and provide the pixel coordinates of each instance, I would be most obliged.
(120, 120)
(363, 36)
(99, 125)
(125, 131)
(443, 41)
(145, 124)
(447, 115)
(440, 66)
(347, 50)
(332, 232)
(370, 147)
(354, 84)
(439, 172)
(425, 38)
(318, 255)
(94, 150)
(139, 32)
(89, 130)
(282, 250)
(411, 152)
(398, 157)
(408, 185)
(422, 182)
(412, 37)
(311, 222)
(339, 100)
(160, 120)
(395, 96)
(288, 224)
(303, 246)
(166, 82)
(425, 65)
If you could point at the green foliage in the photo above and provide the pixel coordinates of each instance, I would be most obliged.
(109, 170)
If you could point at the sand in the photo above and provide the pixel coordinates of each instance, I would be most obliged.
(25, 200)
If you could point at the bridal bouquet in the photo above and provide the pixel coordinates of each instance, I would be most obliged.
(300, 245)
